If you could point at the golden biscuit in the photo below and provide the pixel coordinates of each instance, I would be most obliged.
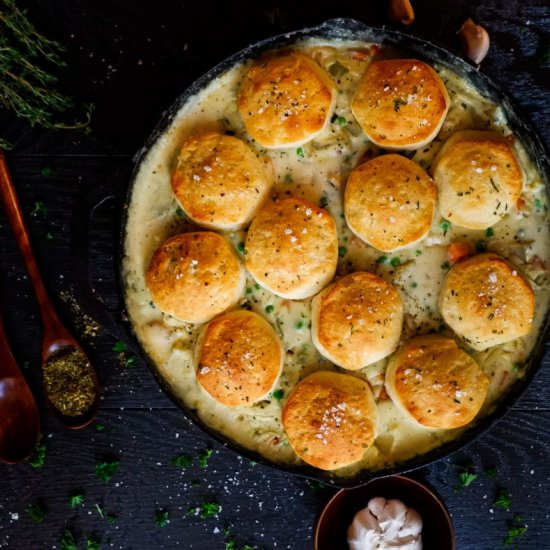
(240, 358)
(330, 419)
(285, 100)
(486, 301)
(400, 103)
(219, 181)
(479, 179)
(357, 320)
(292, 248)
(195, 276)
(389, 202)
(435, 383)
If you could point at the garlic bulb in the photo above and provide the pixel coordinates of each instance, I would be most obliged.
(475, 41)
(385, 525)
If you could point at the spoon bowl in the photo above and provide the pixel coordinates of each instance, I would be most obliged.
(19, 417)
(55, 336)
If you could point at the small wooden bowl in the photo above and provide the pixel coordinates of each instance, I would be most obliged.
(332, 525)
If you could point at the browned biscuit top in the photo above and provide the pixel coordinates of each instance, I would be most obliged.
(486, 301)
(330, 419)
(357, 320)
(436, 383)
(479, 179)
(219, 181)
(285, 100)
(195, 276)
(400, 103)
(292, 248)
(389, 202)
(240, 358)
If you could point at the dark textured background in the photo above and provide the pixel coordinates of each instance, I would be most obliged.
(132, 59)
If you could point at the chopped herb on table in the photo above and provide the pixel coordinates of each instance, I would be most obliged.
(92, 544)
(106, 469)
(67, 541)
(162, 518)
(466, 476)
(38, 458)
(515, 530)
(39, 209)
(183, 461)
(36, 512)
(503, 499)
(76, 500)
(204, 457)
(120, 347)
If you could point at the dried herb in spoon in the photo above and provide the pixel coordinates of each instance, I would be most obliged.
(28, 61)
(68, 382)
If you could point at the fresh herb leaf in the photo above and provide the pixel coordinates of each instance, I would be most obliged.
(513, 533)
(38, 458)
(489, 232)
(67, 541)
(445, 225)
(299, 325)
(240, 247)
(382, 260)
(92, 543)
(342, 251)
(37, 512)
(131, 361)
(300, 152)
(106, 469)
(99, 427)
(162, 518)
(49, 236)
(39, 209)
(183, 461)
(76, 500)
(120, 347)
(204, 457)
(269, 308)
(395, 261)
(466, 478)
(503, 499)
(209, 509)
(341, 120)
(278, 394)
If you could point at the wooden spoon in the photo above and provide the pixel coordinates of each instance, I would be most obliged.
(19, 418)
(55, 336)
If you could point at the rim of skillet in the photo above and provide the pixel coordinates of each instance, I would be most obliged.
(351, 29)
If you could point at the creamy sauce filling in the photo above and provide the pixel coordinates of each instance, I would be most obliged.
(318, 171)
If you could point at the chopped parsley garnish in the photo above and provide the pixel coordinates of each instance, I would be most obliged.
(67, 541)
(381, 259)
(445, 225)
(515, 530)
(539, 205)
(38, 458)
(395, 261)
(205, 510)
(240, 247)
(342, 251)
(131, 361)
(489, 232)
(76, 500)
(278, 394)
(466, 476)
(269, 308)
(39, 209)
(414, 284)
(204, 457)
(300, 152)
(179, 212)
(36, 512)
(299, 325)
(183, 461)
(99, 427)
(92, 543)
(120, 347)
(49, 236)
(503, 499)
(47, 172)
(341, 121)
(106, 469)
(418, 252)
(162, 518)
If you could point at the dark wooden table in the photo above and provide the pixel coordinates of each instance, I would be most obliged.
(132, 59)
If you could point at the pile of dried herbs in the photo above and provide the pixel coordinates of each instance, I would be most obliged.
(28, 65)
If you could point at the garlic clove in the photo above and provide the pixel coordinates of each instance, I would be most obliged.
(475, 41)
(401, 11)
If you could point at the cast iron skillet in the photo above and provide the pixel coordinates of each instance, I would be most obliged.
(349, 29)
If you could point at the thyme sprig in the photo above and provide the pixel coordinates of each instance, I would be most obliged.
(28, 61)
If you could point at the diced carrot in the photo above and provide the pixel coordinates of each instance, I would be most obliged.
(459, 250)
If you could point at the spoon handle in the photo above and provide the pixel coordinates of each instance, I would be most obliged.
(50, 320)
